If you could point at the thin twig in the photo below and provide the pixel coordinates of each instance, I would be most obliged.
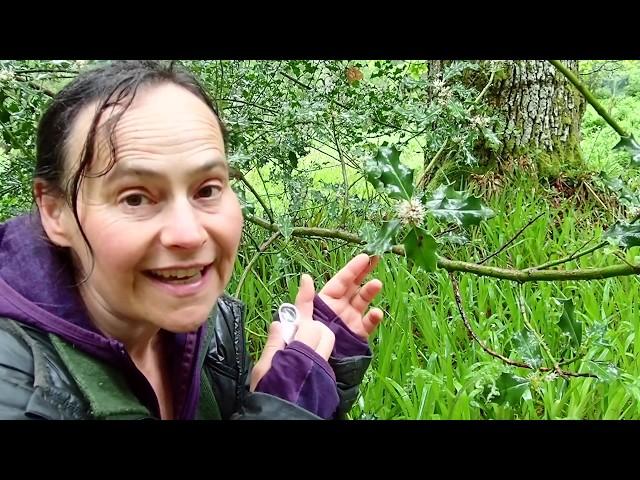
(486, 87)
(45, 70)
(571, 360)
(261, 107)
(582, 246)
(541, 342)
(253, 260)
(601, 67)
(343, 244)
(435, 158)
(518, 233)
(347, 157)
(423, 180)
(238, 174)
(573, 256)
(342, 105)
(10, 189)
(264, 185)
(295, 80)
(251, 237)
(345, 178)
(586, 184)
(266, 85)
(465, 320)
(44, 90)
(448, 230)
(508, 361)
(621, 257)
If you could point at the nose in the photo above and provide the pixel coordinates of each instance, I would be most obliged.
(182, 228)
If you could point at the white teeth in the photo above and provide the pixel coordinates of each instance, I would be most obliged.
(183, 281)
(177, 273)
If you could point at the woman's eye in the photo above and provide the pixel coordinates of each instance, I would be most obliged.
(209, 191)
(134, 200)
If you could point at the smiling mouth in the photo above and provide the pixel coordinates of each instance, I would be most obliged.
(178, 276)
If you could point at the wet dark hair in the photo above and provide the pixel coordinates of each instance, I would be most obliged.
(111, 85)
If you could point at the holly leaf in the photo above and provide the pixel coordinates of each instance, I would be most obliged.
(368, 232)
(420, 247)
(528, 348)
(453, 239)
(620, 188)
(454, 206)
(385, 238)
(386, 173)
(568, 322)
(512, 389)
(606, 372)
(623, 234)
(631, 145)
(286, 227)
(247, 207)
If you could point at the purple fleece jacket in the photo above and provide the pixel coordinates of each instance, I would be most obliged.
(37, 289)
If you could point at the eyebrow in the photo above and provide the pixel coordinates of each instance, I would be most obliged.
(122, 170)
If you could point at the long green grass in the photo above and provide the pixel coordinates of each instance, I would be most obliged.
(425, 364)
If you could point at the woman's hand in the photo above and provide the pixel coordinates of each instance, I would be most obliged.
(310, 332)
(349, 300)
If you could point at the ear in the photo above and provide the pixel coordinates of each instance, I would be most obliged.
(53, 212)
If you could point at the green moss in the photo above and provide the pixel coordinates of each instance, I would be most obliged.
(548, 165)
(563, 160)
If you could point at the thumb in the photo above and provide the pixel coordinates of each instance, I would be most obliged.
(274, 343)
(304, 299)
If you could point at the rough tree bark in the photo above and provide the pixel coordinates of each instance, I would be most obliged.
(542, 113)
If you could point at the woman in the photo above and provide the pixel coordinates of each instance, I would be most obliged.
(111, 294)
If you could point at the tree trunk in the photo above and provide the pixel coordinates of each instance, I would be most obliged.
(542, 113)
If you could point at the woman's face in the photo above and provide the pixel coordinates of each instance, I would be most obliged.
(164, 223)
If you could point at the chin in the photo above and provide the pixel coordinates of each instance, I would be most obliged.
(184, 326)
(186, 321)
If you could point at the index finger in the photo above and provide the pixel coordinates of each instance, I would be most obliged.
(349, 278)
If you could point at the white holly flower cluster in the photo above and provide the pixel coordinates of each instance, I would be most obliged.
(442, 91)
(411, 212)
(479, 121)
(6, 75)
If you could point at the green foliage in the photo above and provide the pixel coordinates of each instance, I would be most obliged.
(568, 322)
(528, 348)
(631, 145)
(426, 367)
(386, 173)
(620, 189)
(512, 389)
(289, 119)
(624, 234)
(293, 125)
(605, 371)
(616, 85)
(453, 206)
(420, 247)
(385, 238)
